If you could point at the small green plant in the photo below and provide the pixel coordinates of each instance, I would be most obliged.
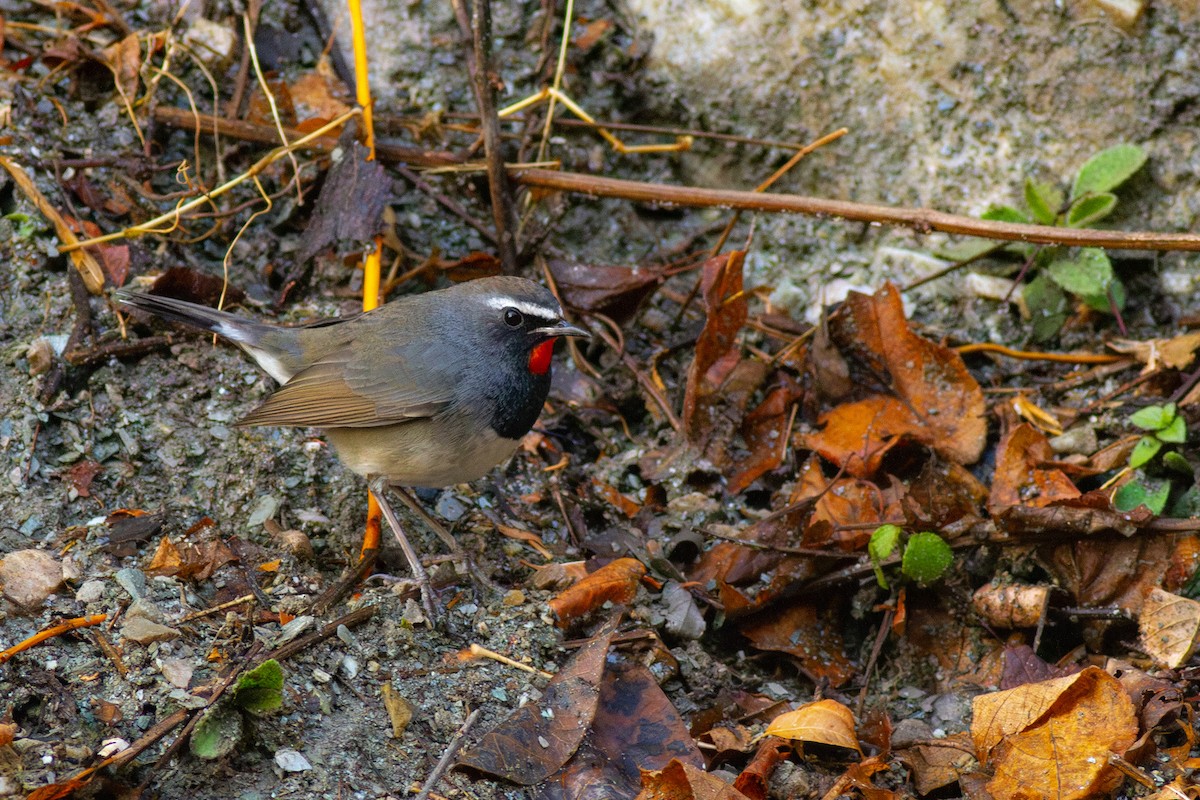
(222, 725)
(1156, 470)
(1061, 272)
(926, 555)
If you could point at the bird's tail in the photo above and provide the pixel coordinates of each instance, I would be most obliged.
(222, 323)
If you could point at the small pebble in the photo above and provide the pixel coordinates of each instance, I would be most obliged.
(132, 581)
(90, 591)
(291, 761)
(144, 631)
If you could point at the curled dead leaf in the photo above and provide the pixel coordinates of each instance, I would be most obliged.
(821, 722)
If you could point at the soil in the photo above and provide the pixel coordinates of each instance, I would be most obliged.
(160, 428)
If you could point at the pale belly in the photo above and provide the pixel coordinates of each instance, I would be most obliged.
(419, 453)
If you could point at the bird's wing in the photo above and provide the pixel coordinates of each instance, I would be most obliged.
(344, 390)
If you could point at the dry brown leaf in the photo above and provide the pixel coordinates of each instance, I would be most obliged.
(1053, 739)
(679, 781)
(319, 95)
(936, 765)
(399, 709)
(811, 637)
(822, 722)
(765, 431)
(615, 582)
(1169, 626)
(1175, 353)
(935, 400)
(1019, 480)
(754, 780)
(528, 537)
(124, 59)
(537, 739)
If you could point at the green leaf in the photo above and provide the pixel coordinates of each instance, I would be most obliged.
(1047, 307)
(1153, 418)
(260, 689)
(1004, 214)
(1086, 274)
(1146, 449)
(1188, 505)
(1178, 463)
(882, 544)
(1100, 302)
(926, 558)
(1175, 433)
(1089, 209)
(1142, 492)
(964, 250)
(218, 731)
(1108, 169)
(1044, 200)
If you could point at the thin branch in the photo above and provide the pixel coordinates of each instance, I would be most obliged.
(485, 96)
(923, 220)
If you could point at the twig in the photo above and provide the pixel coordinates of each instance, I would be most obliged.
(117, 349)
(252, 132)
(923, 220)
(485, 97)
(328, 598)
(351, 620)
(447, 756)
(1026, 355)
(479, 651)
(50, 633)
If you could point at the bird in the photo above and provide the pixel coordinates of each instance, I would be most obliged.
(426, 391)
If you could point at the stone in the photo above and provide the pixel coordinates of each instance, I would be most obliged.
(30, 576)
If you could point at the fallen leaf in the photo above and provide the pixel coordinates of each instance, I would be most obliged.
(755, 779)
(765, 432)
(528, 537)
(81, 474)
(718, 380)
(124, 59)
(1011, 605)
(318, 95)
(537, 739)
(809, 636)
(1020, 479)
(185, 283)
(821, 722)
(934, 400)
(1169, 626)
(1176, 353)
(617, 292)
(1053, 739)
(349, 209)
(935, 766)
(678, 781)
(615, 582)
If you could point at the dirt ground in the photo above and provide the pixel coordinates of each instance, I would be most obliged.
(154, 432)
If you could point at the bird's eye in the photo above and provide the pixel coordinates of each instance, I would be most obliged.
(513, 318)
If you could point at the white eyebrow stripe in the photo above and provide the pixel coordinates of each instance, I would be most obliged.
(532, 309)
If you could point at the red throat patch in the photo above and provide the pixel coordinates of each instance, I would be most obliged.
(539, 357)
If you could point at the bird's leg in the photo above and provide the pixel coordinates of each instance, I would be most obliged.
(415, 506)
(460, 556)
(378, 487)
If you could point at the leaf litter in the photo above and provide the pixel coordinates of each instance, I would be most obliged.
(747, 636)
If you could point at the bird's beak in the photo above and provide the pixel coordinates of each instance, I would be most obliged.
(562, 329)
